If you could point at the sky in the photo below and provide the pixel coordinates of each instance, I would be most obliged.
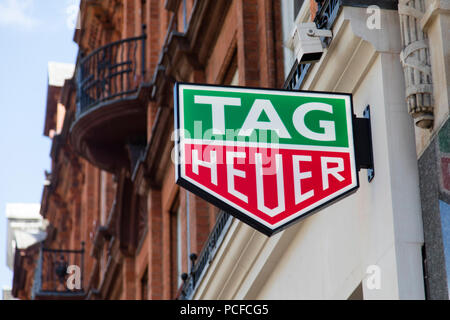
(32, 33)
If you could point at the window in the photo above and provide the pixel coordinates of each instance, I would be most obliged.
(144, 285)
(177, 247)
(235, 79)
(297, 6)
(231, 74)
(143, 12)
(292, 12)
(142, 219)
(184, 16)
(181, 16)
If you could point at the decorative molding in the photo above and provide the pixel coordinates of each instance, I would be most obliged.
(435, 8)
(415, 58)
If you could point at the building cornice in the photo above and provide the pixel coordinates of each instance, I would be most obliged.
(436, 8)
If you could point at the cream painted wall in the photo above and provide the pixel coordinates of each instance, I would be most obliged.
(379, 225)
(326, 255)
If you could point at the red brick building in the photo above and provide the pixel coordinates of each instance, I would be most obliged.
(113, 206)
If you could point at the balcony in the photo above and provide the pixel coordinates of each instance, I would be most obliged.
(59, 275)
(111, 111)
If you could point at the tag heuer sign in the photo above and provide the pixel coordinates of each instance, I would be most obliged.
(268, 157)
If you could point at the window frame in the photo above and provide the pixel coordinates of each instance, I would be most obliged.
(288, 25)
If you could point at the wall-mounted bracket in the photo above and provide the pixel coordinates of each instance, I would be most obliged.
(363, 144)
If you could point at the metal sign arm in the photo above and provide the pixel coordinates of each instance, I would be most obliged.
(363, 144)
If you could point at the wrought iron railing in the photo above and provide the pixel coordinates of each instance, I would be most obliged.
(206, 256)
(111, 72)
(327, 11)
(59, 273)
(296, 76)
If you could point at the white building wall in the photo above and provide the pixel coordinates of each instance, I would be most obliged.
(326, 256)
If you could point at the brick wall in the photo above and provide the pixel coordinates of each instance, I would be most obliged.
(249, 42)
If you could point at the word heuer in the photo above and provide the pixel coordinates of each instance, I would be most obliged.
(268, 157)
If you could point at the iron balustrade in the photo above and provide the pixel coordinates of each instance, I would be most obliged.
(327, 12)
(296, 76)
(206, 256)
(53, 269)
(111, 72)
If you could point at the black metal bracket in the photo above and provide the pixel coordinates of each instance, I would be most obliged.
(362, 138)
